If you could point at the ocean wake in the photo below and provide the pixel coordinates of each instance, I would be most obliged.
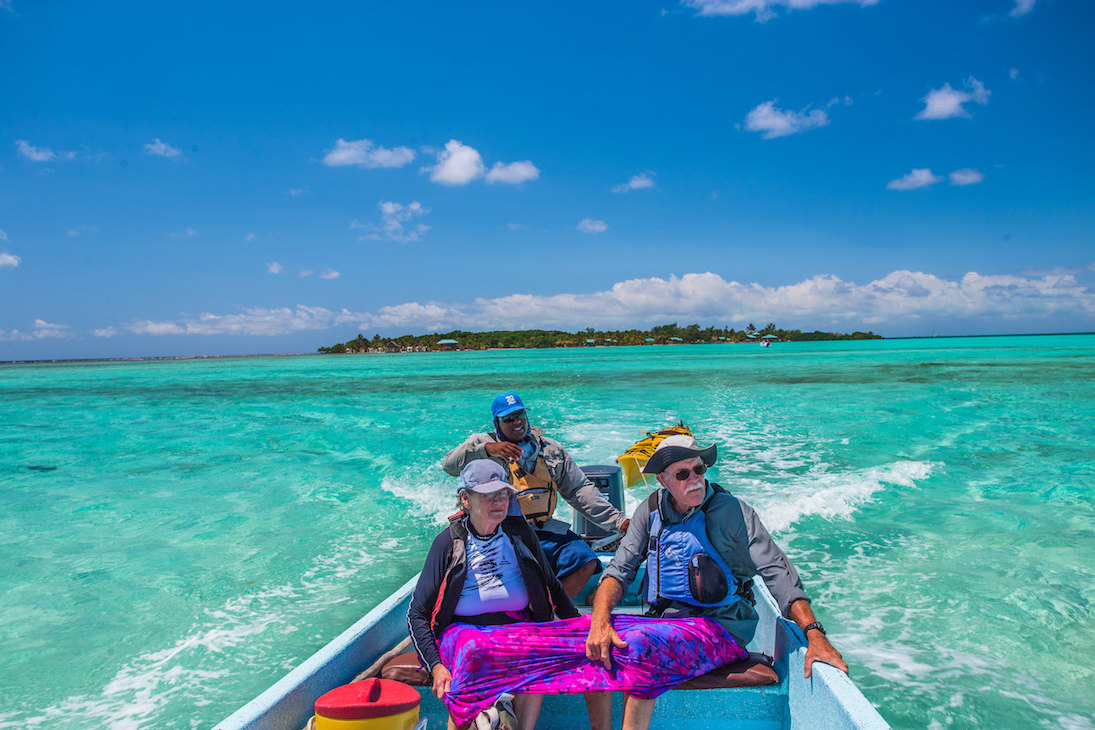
(243, 637)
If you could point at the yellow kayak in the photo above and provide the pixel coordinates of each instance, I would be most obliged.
(634, 459)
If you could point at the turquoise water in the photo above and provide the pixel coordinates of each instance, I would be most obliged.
(176, 535)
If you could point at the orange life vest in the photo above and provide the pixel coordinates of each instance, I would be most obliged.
(536, 492)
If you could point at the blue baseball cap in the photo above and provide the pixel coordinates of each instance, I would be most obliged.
(506, 404)
(484, 476)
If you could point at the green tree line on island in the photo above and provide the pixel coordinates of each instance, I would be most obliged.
(528, 339)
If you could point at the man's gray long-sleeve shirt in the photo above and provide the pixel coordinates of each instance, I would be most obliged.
(742, 540)
(573, 485)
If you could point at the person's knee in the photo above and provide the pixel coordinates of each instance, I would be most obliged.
(599, 707)
(637, 713)
(577, 580)
(589, 568)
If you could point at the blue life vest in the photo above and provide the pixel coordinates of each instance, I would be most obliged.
(683, 565)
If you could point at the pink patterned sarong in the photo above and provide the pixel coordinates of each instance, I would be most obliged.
(550, 658)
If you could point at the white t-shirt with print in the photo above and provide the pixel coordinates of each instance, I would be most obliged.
(494, 583)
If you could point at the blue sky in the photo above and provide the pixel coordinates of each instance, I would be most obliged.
(216, 178)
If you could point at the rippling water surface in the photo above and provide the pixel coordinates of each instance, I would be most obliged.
(176, 535)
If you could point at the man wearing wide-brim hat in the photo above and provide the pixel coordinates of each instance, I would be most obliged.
(702, 546)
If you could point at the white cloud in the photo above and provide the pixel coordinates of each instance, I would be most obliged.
(589, 225)
(393, 216)
(978, 92)
(329, 274)
(146, 327)
(513, 173)
(3, 235)
(305, 273)
(43, 330)
(105, 332)
(249, 237)
(901, 298)
(161, 149)
(188, 233)
(763, 9)
(947, 103)
(80, 230)
(457, 164)
(460, 164)
(273, 267)
(1022, 7)
(298, 192)
(966, 176)
(254, 321)
(1013, 74)
(8, 259)
(41, 154)
(920, 177)
(636, 182)
(775, 122)
(364, 153)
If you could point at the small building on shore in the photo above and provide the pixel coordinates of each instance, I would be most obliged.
(448, 345)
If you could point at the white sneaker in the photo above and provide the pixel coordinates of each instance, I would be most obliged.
(487, 719)
(507, 718)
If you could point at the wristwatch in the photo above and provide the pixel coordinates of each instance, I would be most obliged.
(810, 627)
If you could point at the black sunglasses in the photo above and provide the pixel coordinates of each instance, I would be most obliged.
(682, 474)
(511, 417)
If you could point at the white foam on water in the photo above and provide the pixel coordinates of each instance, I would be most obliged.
(955, 669)
(787, 473)
(435, 498)
(824, 493)
(224, 641)
(1075, 722)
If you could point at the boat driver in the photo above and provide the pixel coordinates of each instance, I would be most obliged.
(540, 469)
(702, 546)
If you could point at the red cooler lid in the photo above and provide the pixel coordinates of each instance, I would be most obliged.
(368, 698)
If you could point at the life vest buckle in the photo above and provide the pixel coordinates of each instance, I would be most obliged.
(745, 591)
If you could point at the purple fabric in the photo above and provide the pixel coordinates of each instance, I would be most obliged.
(550, 658)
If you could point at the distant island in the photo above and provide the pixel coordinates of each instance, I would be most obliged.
(666, 334)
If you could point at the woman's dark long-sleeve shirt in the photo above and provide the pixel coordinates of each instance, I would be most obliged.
(439, 585)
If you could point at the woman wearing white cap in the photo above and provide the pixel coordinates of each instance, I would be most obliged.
(485, 569)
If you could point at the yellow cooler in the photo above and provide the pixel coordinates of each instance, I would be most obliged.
(372, 704)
